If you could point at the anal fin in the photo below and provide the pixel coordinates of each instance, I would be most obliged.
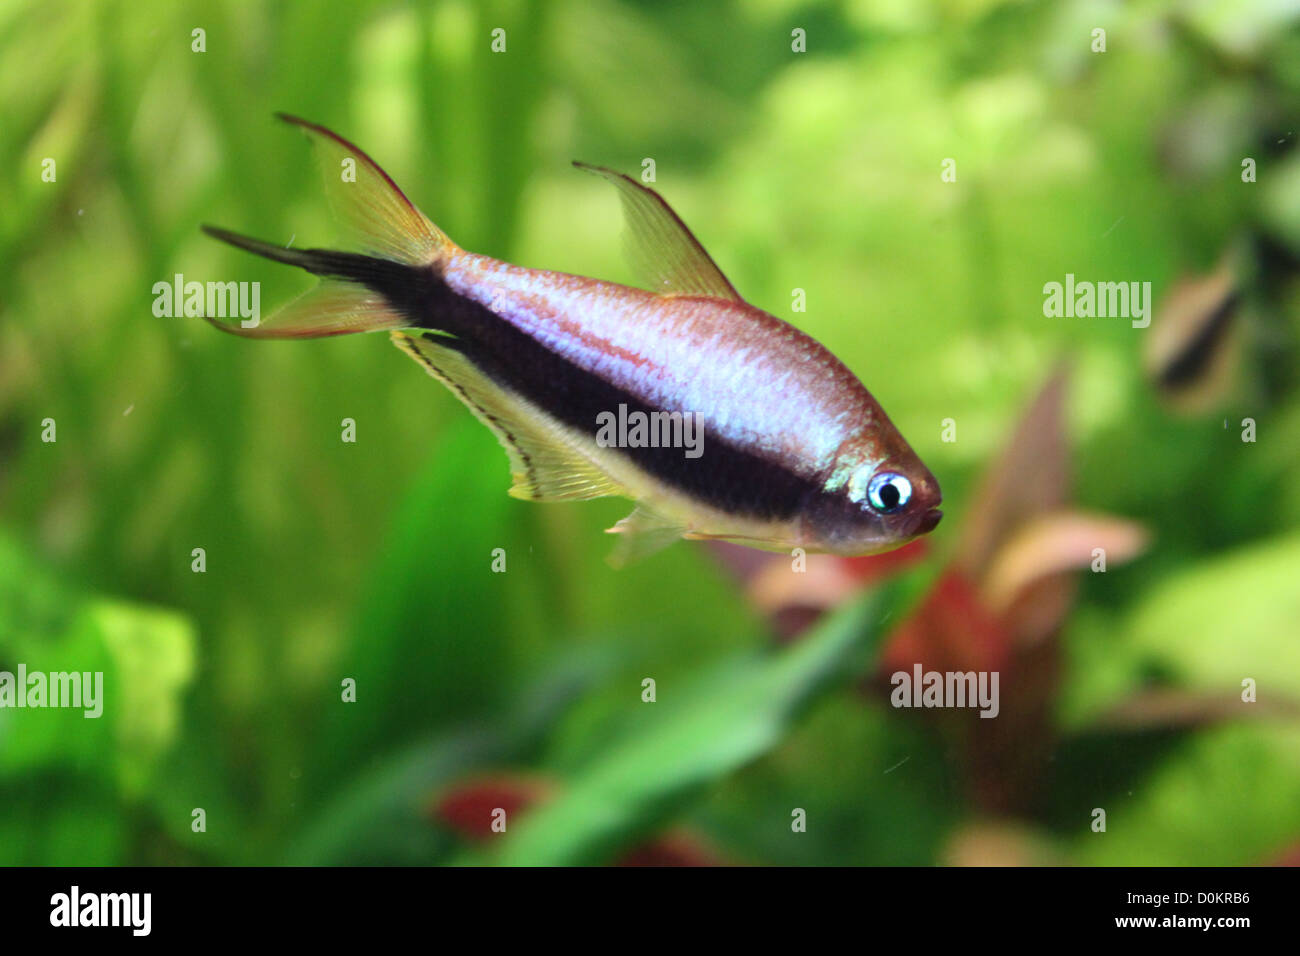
(546, 462)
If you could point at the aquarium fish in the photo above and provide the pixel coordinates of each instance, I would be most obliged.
(1193, 351)
(575, 376)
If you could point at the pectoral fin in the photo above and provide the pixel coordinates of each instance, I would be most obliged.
(641, 534)
(546, 462)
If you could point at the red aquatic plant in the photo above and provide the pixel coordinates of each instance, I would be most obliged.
(996, 606)
(999, 604)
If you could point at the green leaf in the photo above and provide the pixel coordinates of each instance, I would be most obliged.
(735, 714)
(1229, 796)
(145, 656)
(152, 655)
(430, 640)
(381, 815)
(1226, 620)
(63, 772)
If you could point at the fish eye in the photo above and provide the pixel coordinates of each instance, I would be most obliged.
(888, 492)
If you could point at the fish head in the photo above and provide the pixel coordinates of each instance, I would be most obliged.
(879, 504)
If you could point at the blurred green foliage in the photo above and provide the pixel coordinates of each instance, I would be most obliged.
(817, 171)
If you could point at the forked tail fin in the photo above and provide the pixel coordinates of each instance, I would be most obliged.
(382, 284)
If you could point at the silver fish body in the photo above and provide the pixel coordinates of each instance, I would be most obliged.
(791, 450)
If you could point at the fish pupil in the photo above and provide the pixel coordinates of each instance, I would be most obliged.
(889, 492)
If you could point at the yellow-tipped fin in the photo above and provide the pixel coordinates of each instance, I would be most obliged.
(379, 218)
(334, 307)
(660, 246)
(545, 461)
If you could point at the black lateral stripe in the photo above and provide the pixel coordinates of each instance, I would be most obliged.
(408, 288)
(726, 477)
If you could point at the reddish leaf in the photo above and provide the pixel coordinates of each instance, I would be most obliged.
(468, 807)
(677, 848)
(1029, 479)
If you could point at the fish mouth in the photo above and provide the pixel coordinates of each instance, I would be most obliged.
(925, 522)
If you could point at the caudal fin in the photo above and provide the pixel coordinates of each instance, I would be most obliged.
(379, 286)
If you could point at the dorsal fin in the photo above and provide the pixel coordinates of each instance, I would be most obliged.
(661, 248)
